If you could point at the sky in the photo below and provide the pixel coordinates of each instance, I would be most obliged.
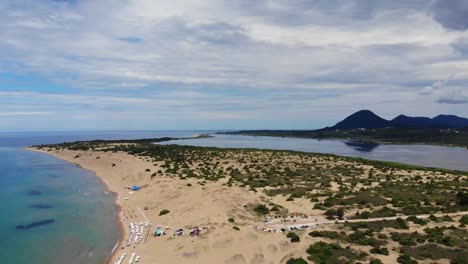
(237, 64)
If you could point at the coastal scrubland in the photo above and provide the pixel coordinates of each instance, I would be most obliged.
(362, 211)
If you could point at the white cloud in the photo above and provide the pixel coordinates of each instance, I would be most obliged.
(195, 43)
(183, 57)
(446, 93)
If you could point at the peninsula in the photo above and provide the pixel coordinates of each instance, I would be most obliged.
(182, 204)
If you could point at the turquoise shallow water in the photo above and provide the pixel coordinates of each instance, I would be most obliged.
(85, 228)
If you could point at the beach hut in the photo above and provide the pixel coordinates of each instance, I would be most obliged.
(135, 188)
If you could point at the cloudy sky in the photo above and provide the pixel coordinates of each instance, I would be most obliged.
(237, 64)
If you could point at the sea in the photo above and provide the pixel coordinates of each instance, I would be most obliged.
(52, 211)
(55, 212)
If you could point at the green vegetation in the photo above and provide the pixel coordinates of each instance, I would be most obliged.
(375, 261)
(399, 223)
(357, 237)
(296, 261)
(379, 250)
(406, 259)
(325, 253)
(294, 237)
(464, 220)
(332, 213)
(340, 187)
(416, 220)
(387, 192)
(164, 212)
(435, 252)
(262, 209)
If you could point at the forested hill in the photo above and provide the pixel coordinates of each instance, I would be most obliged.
(364, 125)
(368, 120)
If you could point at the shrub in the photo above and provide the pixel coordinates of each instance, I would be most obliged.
(294, 237)
(365, 215)
(379, 250)
(164, 212)
(406, 259)
(462, 198)
(402, 223)
(148, 170)
(296, 261)
(404, 239)
(375, 261)
(262, 209)
(464, 220)
(274, 209)
(231, 220)
(447, 218)
(236, 228)
(358, 237)
(320, 251)
(416, 220)
(340, 213)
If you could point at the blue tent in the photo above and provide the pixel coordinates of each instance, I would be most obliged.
(159, 232)
(135, 188)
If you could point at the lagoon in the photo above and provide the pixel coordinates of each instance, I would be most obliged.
(453, 158)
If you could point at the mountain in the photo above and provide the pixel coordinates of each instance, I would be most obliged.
(451, 121)
(368, 120)
(408, 121)
(440, 121)
(362, 119)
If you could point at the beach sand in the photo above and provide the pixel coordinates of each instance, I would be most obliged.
(192, 204)
(208, 206)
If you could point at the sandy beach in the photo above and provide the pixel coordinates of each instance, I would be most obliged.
(207, 205)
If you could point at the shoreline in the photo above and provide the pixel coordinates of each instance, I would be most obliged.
(232, 231)
(118, 206)
(351, 156)
(382, 142)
